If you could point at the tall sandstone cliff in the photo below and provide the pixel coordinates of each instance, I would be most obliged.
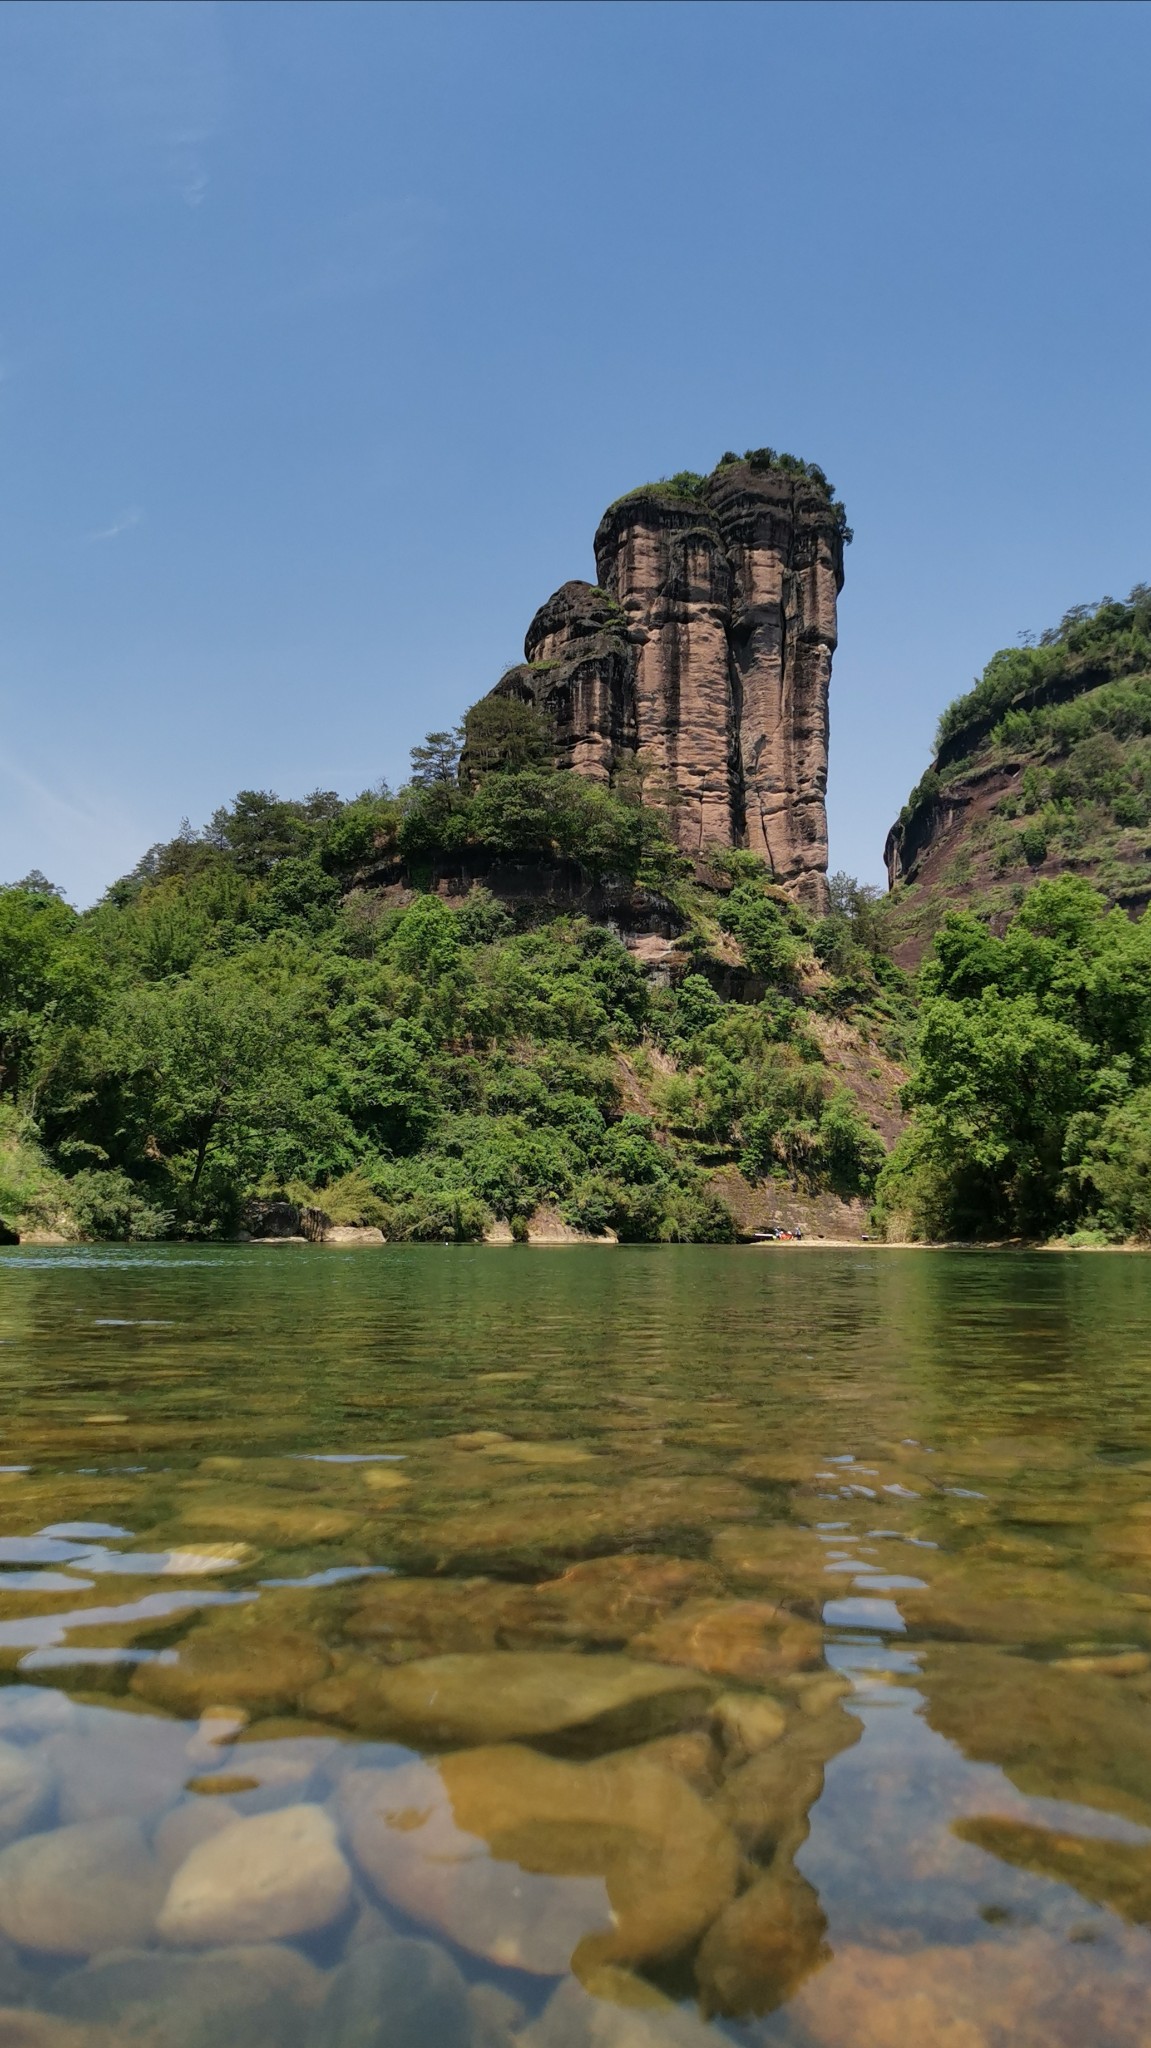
(703, 656)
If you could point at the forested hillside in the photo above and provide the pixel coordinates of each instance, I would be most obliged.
(319, 1000)
(1042, 768)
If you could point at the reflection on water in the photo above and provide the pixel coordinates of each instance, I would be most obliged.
(574, 1650)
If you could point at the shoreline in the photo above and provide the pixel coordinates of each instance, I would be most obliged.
(44, 1240)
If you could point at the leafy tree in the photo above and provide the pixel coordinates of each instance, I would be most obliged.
(436, 763)
(501, 733)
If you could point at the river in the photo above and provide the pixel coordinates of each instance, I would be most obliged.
(574, 1648)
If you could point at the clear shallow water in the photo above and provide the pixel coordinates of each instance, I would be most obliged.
(575, 1646)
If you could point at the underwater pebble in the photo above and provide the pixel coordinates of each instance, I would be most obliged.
(79, 1889)
(264, 1879)
(259, 1995)
(25, 1788)
(394, 1994)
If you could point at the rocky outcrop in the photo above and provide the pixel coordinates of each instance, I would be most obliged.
(703, 658)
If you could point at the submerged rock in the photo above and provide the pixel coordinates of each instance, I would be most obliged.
(40, 2030)
(533, 1862)
(602, 1601)
(766, 1802)
(747, 1722)
(1057, 1734)
(592, 1702)
(262, 1670)
(272, 1522)
(25, 1788)
(1036, 1991)
(259, 1995)
(615, 2010)
(537, 1530)
(752, 1640)
(402, 1619)
(1115, 1874)
(981, 1601)
(394, 1994)
(607, 1600)
(264, 1879)
(78, 1890)
(114, 1765)
(762, 1945)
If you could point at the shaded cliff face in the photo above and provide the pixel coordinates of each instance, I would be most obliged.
(705, 655)
(1043, 769)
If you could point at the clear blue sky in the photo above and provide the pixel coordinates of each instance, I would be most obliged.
(327, 331)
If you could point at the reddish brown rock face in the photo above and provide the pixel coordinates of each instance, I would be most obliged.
(705, 655)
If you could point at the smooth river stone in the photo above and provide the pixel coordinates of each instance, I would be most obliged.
(25, 1787)
(262, 1879)
(751, 1640)
(259, 1669)
(112, 1765)
(541, 1864)
(260, 1996)
(78, 1890)
(394, 1994)
(594, 1702)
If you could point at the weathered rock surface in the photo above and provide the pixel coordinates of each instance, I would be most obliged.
(265, 1879)
(704, 654)
(613, 1861)
(78, 1890)
(595, 1702)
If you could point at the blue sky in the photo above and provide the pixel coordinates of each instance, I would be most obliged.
(327, 332)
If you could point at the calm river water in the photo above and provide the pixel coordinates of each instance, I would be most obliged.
(577, 1648)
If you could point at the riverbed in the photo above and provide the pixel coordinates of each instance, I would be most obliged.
(530, 1648)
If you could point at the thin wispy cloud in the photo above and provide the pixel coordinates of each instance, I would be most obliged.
(122, 524)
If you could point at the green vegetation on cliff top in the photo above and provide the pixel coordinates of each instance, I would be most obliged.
(1102, 641)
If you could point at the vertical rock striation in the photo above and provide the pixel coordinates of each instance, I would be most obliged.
(704, 654)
